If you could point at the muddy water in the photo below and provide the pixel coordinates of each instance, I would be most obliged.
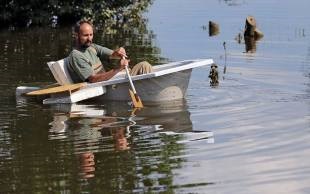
(250, 134)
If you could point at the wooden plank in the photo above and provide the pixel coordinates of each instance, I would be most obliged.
(76, 96)
(59, 89)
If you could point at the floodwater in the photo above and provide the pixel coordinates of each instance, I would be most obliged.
(250, 134)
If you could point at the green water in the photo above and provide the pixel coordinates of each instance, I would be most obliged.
(248, 135)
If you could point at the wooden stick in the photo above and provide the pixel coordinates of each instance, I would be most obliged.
(58, 89)
(137, 103)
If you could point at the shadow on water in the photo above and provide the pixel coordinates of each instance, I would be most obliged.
(87, 144)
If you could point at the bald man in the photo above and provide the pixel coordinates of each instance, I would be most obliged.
(85, 59)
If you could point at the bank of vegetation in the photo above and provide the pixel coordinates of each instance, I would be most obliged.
(27, 13)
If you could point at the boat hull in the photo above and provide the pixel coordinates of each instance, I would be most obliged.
(163, 88)
(167, 82)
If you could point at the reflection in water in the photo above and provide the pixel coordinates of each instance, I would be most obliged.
(148, 138)
(87, 164)
(114, 117)
(170, 116)
(250, 44)
(58, 127)
(93, 126)
(119, 136)
(234, 2)
(119, 140)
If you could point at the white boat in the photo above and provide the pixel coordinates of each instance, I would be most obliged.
(166, 83)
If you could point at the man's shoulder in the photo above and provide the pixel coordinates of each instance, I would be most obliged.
(75, 53)
(94, 45)
(77, 57)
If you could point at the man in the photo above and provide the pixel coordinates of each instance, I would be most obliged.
(85, 60)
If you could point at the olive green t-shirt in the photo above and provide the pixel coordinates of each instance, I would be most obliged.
(85, 62)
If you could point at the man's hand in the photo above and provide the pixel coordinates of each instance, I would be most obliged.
(103, 76)
(123, 63)
(120, 52)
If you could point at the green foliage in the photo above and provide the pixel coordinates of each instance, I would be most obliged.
(24, 13)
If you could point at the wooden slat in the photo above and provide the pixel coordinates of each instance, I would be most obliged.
(58, 89)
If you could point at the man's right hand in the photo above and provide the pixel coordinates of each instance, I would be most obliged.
(123, 63)
(120, 52)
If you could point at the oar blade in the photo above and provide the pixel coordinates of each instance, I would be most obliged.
(137, 103)
(58, 89)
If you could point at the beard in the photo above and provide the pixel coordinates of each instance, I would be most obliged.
(85, 44)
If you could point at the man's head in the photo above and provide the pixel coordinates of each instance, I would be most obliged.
(84, 33)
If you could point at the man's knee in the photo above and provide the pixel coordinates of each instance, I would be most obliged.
(142, 68)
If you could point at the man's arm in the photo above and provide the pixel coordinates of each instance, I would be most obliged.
(103, 51)
(120, 52)
(103, 76)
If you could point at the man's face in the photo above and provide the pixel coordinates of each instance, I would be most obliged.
(85, 35)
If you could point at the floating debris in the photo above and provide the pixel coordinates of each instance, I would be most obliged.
(214, 28)
(239, 38)
(250, 44)
(214, 75)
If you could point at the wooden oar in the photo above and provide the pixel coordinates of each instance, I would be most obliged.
(58, 89)
(137, 103)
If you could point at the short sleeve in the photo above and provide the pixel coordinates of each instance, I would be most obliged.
(102, 51)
